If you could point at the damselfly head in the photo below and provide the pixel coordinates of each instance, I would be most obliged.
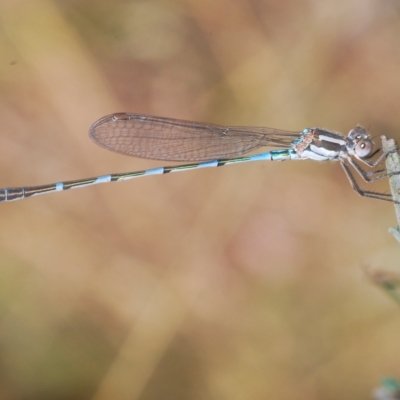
(360, 142)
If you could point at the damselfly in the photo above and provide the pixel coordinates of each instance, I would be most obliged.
(209, 145)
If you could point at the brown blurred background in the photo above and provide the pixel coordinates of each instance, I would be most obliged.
(244, 282)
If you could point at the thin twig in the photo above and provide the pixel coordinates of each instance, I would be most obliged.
(393, 167)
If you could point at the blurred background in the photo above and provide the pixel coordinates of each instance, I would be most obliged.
(244, 282)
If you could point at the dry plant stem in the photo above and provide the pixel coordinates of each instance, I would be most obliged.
(393, 166)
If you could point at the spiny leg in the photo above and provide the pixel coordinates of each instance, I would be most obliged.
(371, 176)
(368, 176)
(354, 184)
(379, 159)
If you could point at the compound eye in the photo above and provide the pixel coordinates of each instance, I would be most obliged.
(357, 133)
(363, 148)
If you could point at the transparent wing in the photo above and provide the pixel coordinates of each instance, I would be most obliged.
(176, 140)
